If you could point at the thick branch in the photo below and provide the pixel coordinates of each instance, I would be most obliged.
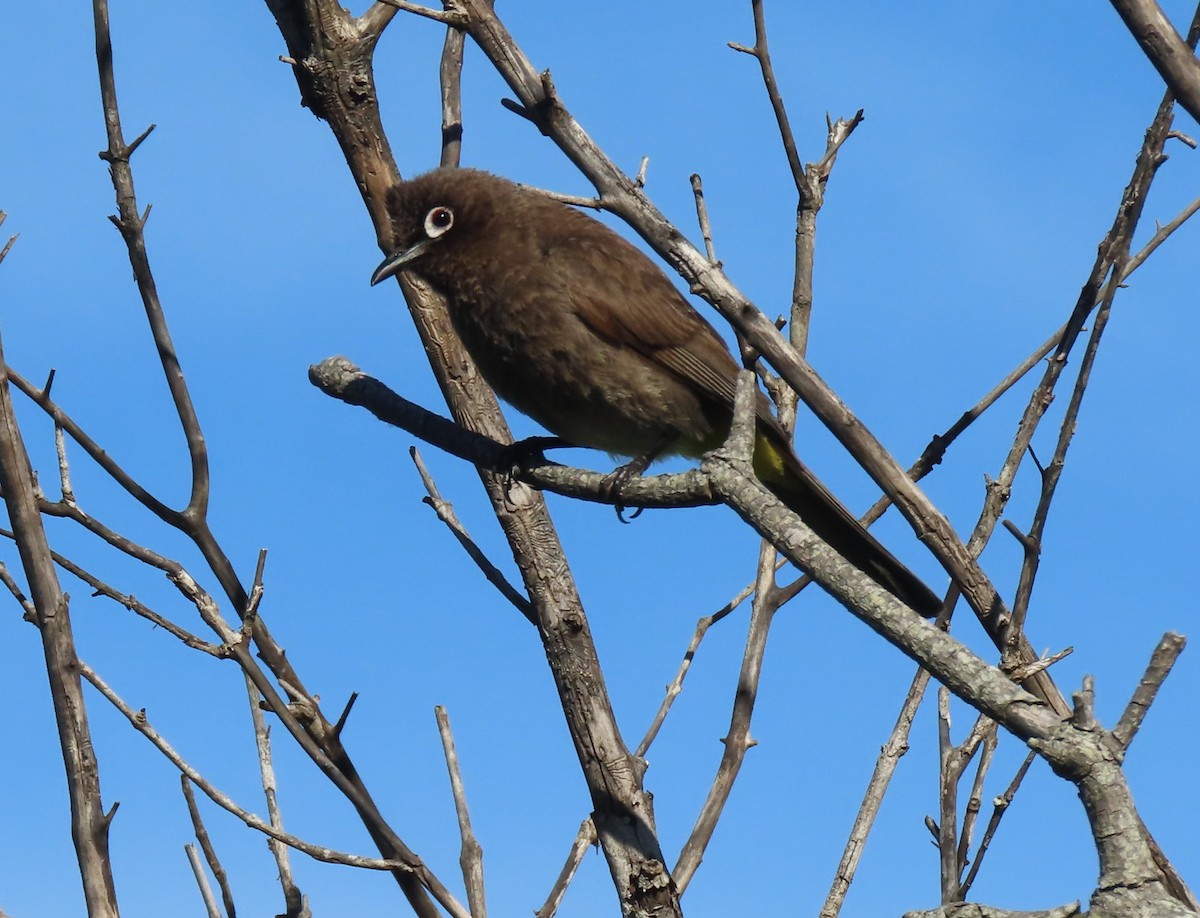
(89, 823)
(623, 197)
(1167, 50)
(332, 63)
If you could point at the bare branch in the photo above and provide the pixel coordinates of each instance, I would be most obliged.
(1161, 661)
(210, 855)
(133, 604)
(762, 54)
(885, 767)
(947, 824)
(1052, 474)
(336, 83)
(130, 225)
(41, 397)
(1168, 52)
(18, 594)
(974, 910)
(210, 903)
(89, 822)
(141, 723)
(584, 839)
(702, 217)
(1160, 236)
(449, 17)
(339, 378)
(450, 79)
(623, 198)
(445, 513)
(1023, 672)
(676, 686)
(295, 901)
(999, 808)
(975, 798)
(11, 239)
(738, 740)
(471, 856)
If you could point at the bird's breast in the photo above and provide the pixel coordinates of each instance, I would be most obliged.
(542, 359)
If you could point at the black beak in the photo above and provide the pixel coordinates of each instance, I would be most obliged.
(394, 264)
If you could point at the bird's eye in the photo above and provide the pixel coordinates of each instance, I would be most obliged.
(438, 221)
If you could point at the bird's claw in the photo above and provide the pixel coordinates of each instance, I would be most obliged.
(616, 481)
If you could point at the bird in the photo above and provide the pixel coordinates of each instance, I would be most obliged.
(578, 329)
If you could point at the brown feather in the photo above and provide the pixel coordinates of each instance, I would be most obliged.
(577, 328)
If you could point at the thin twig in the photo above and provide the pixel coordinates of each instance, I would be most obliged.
(445, 512)
(738, 740)
(340, 724)
(141, 723)
(303, 720)
(1053, 472)
(584, 839)
(934, 453)
(131, 224)
(676, 687)
(11, 239)
(762, 54)
(974, 799)
(130, 602)
(586, 836)
(999, 808)
(470, 858)
(294, 901)
(1165, 654)
(885, 767)
(1160, 236)
(947, 825)
(837, 133)
(210, 902)
(639, 178)
(1023, 672)
(210, 853)
(575, 200)
(64, 468)
(30, 611)
(249, 614)
(193, 519)
(702, 217)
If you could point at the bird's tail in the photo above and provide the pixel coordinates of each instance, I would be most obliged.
(789, 480)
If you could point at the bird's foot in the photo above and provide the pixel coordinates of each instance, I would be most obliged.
(616, 481)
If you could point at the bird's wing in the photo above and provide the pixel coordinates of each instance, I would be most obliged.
(647, 314)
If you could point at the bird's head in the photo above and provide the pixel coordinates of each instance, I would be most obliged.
(435, 216)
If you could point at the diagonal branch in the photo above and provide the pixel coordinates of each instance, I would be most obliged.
(1168, 52)
(622, 196)
(89, 822)
(131, 224)
(331, 54)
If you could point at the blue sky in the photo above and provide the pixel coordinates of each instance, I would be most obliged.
(961, 219)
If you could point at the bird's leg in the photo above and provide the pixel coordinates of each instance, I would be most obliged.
(616, 480)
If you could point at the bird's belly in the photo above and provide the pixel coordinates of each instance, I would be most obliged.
(588, 391)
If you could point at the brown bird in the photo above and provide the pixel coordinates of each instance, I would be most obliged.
(576, 328)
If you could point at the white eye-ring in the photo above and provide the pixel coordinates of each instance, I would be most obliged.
(438, 221)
